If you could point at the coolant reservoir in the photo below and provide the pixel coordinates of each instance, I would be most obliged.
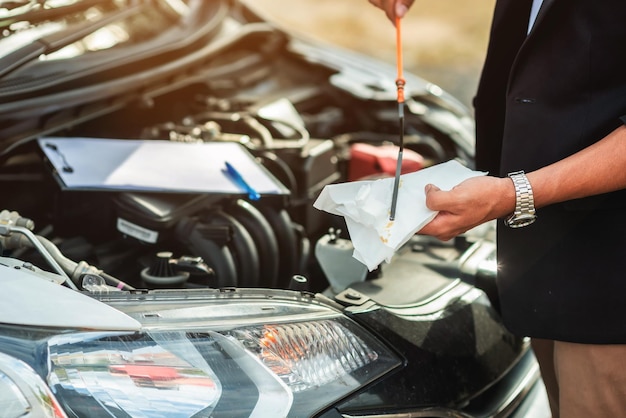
(334, 255)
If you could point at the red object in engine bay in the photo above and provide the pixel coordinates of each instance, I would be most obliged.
(375, 160)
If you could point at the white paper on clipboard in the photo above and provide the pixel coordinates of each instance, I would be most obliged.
(155, 166)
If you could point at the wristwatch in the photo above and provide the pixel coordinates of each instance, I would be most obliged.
(524, 213)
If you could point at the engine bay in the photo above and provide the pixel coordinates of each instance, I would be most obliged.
(300, 120)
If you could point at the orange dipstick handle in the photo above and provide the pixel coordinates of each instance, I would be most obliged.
(400, 82)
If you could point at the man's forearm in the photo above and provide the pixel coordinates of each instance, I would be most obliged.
(599, 168)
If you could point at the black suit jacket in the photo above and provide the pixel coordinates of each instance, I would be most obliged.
(541, 98)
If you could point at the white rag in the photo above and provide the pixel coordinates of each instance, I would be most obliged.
(366, 206)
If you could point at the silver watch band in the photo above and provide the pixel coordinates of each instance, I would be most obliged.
(524, 213)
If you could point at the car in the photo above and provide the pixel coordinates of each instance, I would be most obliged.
(144, 277)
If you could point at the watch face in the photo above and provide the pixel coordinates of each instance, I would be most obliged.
(518, 221)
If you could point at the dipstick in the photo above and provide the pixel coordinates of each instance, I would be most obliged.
(400, 82)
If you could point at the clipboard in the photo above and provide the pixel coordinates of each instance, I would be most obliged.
(155, 166)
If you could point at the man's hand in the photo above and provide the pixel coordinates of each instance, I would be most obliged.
(393, 8)
(469, 204)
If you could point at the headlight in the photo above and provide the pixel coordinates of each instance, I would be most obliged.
(23, 393)
(225, 359)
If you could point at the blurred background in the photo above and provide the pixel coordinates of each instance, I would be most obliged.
(444, 41)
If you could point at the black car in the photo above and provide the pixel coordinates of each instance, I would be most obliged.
(175, 296)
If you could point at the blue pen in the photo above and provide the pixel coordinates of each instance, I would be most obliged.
(241, 182)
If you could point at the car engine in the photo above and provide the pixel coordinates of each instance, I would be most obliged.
(308, 123)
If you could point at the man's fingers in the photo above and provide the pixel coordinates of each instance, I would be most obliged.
(393, 8)
(401, 10)
(439, 227)
(435, 198)
(402, 7)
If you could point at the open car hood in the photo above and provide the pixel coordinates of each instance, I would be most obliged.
(77, 60)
